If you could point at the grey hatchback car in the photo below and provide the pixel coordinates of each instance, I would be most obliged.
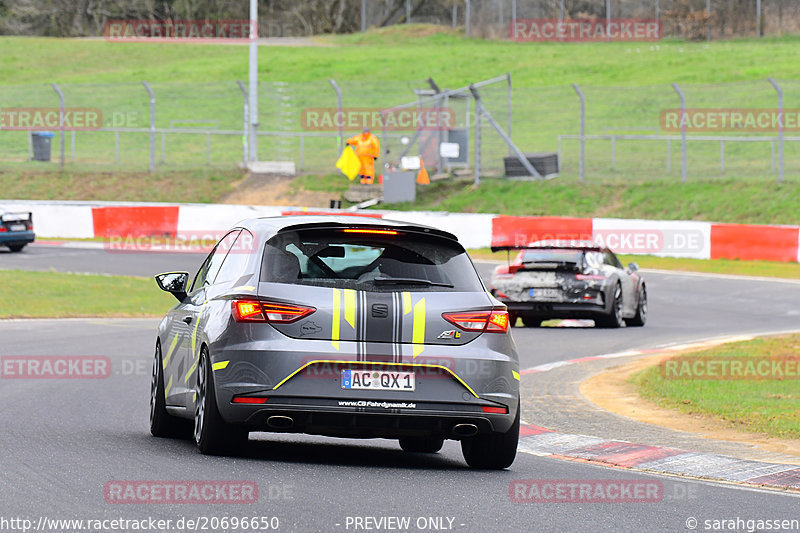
(343, 326)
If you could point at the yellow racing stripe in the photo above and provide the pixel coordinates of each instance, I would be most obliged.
(406, 302)
(220, 365)
(169, 352)
(350, 307)
(418, 332)
(337, 317)
(515, 374)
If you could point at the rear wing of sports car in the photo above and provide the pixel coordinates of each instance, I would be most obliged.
(25, 217)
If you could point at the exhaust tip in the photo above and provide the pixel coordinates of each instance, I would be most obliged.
(280, 422)
(465, 430)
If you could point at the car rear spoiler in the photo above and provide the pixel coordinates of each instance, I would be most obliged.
(25, 216)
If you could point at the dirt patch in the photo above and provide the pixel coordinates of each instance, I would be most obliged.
(275, 190)
(611, 391)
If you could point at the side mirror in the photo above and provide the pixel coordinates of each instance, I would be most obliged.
(633, 267)
(174, 283)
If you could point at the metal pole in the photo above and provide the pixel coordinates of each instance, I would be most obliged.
(477, 144)
(408, 11)
(658, 10)
(363, 16)
(466, 19)
(708, 20)
(60, 120)
(253, 82)
(562, 12)
(510, 110)
(500, 13)
(338, 111)
(683, 130)
(455, 14)
(583, 131)
(779, 90)
(244, 122)
(758, 18)
(513, 10)
(608, 17)
(152, 126)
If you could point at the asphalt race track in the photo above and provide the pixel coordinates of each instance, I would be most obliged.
(64, 440)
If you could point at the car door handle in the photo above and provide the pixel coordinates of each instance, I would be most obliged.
(187, 319)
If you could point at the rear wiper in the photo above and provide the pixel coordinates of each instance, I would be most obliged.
(409, 281)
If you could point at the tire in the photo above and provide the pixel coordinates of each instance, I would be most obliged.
(421, 444)
(492, 452)
(531, 322)
(640, 318)
(212, 434)
(16, 247)
(162, 424)
(614, 318)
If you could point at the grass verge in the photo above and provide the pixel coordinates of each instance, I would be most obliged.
(59, 295)
(770, 406)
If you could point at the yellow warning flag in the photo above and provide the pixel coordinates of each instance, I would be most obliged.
(422, 176)
(349, 163)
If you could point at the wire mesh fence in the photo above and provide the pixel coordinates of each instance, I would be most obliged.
(626, 137)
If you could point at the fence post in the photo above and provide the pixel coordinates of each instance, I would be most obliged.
(608, 18)
(779, 90)
(338, 111)
(658, 11)
(708, 20)
(513, 10)
(477, 144)
(510, 111)
(583, 131)
(683, 130)
(60, 120)
(152, 126)
(758, 18)
(408, 11)
(455, 14)
(467, 14)
(363, 16)
(244, 122)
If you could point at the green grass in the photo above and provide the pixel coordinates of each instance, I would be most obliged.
(197, 185)
(723, 201)
(58, 295)
(770, 406)
(626, 86)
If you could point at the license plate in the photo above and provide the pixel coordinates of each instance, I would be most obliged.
(545, 293)
(18, 227)
(378, 380)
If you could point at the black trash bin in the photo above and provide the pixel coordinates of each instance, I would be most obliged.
(42, 141)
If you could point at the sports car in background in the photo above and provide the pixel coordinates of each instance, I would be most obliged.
(16, 230)
(570, 279)
(339, 326)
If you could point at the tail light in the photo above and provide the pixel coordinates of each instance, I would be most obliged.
(263, 311)
(249, 400)
(2, 229)
(370, 231)
(494, 410)
(495, 321)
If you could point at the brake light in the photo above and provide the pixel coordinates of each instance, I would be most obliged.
(371, 231)
(2, 229)
(495, 410)
(249, 399)
(584, 277)
(261, 311)
(490, 321)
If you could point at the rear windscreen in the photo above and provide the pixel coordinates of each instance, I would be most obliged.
(334, 258)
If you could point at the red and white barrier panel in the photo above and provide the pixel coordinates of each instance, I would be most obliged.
(670, 238)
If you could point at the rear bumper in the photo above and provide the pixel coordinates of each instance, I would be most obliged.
(557, 309)
(16, 237)
(320, 416)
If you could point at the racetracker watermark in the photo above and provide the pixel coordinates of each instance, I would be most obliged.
(50, 118)
(585, 30)
(585, 491)
(148, 31)
(55, 367)
(189, 242)
(377, 119)
(625, 240)
(731, 368)
(699, 120)
(182, 492)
